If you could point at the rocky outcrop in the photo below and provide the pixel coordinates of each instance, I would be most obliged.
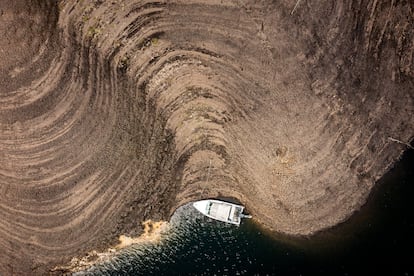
(114, 112)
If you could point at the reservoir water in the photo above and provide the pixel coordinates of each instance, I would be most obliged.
(377, 240)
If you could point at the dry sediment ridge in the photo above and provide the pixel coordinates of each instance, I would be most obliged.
(114, 112)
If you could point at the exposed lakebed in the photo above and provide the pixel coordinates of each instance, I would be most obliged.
(114, 113)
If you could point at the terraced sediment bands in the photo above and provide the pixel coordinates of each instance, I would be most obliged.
(114, 112)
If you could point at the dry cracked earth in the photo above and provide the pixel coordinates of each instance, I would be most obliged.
(114, 112)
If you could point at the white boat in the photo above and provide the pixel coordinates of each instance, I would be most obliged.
(221, 210)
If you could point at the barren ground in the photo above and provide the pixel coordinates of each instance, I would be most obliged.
(114, 112)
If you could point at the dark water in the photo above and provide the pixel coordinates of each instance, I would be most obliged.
(378, 240)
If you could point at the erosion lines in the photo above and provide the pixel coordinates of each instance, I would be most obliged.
(114, 112)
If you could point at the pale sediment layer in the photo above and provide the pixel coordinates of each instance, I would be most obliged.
(114, 112)
(153, 233)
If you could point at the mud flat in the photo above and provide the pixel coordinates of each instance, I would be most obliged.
(115, 112)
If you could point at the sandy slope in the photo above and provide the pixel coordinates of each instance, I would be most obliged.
(114, 112)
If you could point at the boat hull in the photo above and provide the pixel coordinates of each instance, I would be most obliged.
(220, 210)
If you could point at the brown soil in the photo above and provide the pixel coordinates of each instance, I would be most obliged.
(114, 112)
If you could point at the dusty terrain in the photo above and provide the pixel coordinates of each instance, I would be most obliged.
(115, 112)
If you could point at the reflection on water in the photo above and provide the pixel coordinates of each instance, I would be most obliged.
(376, 241)
(193, 245)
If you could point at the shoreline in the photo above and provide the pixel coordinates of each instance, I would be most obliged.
(321, 244)
(361, 221)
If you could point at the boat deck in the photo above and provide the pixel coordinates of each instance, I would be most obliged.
(220, 211)
(224, 212)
